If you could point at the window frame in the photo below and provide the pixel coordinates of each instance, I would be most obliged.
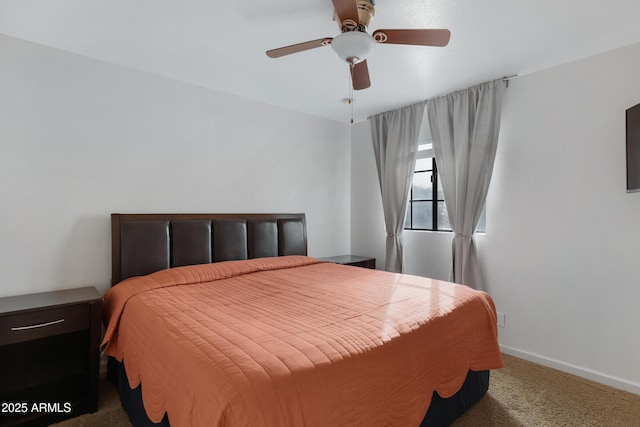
(426, 151)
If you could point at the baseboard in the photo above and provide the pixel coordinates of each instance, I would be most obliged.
(589, 374)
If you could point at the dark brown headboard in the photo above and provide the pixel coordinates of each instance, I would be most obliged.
(145, 243)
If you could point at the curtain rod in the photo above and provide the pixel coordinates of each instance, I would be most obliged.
(507, 78)
(504, 79)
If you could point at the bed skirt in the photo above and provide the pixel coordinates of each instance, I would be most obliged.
(442, 412)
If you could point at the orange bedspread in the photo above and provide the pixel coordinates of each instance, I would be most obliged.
(290, 341)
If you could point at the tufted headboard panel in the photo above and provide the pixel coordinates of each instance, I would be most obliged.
(145, 243)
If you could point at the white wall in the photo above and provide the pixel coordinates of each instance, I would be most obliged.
(80, 139)
(560, 256)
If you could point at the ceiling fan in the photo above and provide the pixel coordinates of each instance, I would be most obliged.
(354, 43)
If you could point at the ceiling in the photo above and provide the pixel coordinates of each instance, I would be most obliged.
(221, 44)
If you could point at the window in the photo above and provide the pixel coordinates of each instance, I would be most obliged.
(426, 209)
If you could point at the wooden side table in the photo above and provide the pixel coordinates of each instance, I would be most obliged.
(49, 356)
(354, 260)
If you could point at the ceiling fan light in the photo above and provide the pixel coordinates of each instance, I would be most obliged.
(353, 46)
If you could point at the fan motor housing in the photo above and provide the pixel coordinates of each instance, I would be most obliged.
(366, 12)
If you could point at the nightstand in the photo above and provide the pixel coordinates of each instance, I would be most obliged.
(357, 261)
(49, 356)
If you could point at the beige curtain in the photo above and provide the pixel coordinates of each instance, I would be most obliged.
(465, 126)
(395, 143)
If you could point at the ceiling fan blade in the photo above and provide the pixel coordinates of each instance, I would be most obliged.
(360, 75)
(294, 48)
(415, 37)
(347, 9)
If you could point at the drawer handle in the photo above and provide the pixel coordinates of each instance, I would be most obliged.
(40, 325)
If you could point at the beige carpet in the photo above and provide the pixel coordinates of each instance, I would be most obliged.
(526, 394)
(520, 394)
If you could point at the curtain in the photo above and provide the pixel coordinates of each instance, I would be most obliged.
(465, 126)
(395, 143)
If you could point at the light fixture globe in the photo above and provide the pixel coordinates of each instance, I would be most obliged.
(353, 46)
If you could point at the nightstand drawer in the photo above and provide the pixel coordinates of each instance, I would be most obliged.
(353, 260)
(368, 263)
(20, 327)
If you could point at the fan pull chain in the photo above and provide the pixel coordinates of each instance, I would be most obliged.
(351, 66)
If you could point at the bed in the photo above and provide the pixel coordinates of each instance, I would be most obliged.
(223, 320)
